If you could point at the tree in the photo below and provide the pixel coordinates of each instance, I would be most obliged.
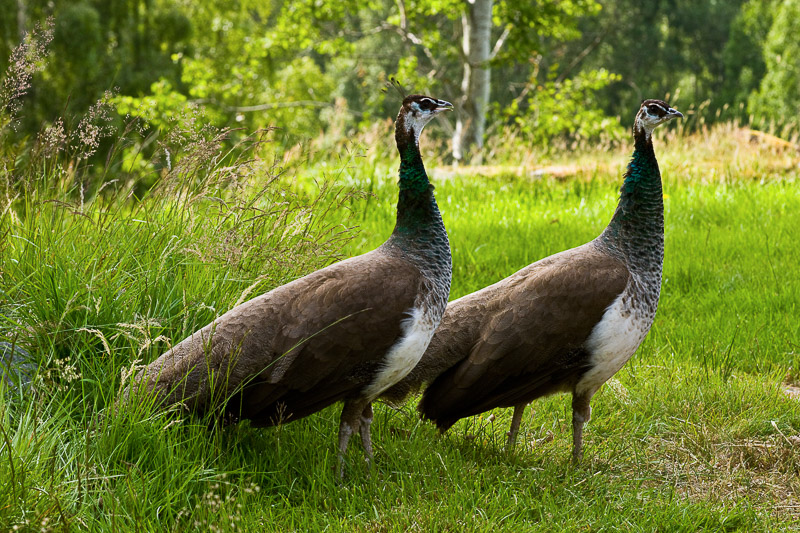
(743, 55)
(98, 45)
(476, 21)
(660, 48)
(306, 65)
(443, 40)
(779, 92)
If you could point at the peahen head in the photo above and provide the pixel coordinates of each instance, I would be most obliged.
(651, 114)
(418, 110)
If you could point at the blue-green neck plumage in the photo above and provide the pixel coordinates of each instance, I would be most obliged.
(416, 205)
(637, 227)
(419, 232)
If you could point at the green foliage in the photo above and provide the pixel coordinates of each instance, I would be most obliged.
(566, 111)
(309, 67)
(778, 97)
(161, 108)
(743, 55)
(172, 26)
(78, 41)
(426, 35)
(532, 24)
(300, 82)
(659, 51)
(98, 46)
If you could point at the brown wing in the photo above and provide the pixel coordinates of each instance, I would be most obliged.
(531, 336)
(317, 338)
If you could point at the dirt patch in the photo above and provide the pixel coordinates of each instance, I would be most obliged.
(521, 171)
(764, 472)
(792, 391)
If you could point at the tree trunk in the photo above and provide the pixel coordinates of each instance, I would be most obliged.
(471, 107)
(22, 20)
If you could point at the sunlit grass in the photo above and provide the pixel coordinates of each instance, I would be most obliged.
(695, 433)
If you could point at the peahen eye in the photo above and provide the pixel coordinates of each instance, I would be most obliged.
(427, 104)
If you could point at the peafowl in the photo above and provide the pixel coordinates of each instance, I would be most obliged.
(344, 333)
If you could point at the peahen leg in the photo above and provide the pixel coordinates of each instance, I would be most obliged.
(581, 413)
(364, 428)
(515, 422)
(349, 423)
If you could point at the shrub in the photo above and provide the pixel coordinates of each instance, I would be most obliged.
(566, 110)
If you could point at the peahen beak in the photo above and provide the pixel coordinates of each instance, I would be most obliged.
(442, 105)
(674, 113)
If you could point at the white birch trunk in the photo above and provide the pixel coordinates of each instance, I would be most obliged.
(22, 20)
(471, 112)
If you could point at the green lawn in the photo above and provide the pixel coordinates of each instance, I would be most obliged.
(695, 433)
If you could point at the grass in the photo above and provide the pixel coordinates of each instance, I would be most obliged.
(694, 433)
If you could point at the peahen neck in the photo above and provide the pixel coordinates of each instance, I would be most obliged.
(419, 232)
(636, 230)
(416, 205)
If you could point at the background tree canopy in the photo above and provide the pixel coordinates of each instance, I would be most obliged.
(549, 70)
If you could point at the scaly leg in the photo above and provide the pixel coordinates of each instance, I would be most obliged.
(581, 413)
(348, 424)
(515, 421)
(366, 440)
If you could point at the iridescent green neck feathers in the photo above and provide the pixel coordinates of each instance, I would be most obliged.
(638, 222)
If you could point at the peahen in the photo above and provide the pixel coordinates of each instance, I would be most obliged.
(344, 333)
